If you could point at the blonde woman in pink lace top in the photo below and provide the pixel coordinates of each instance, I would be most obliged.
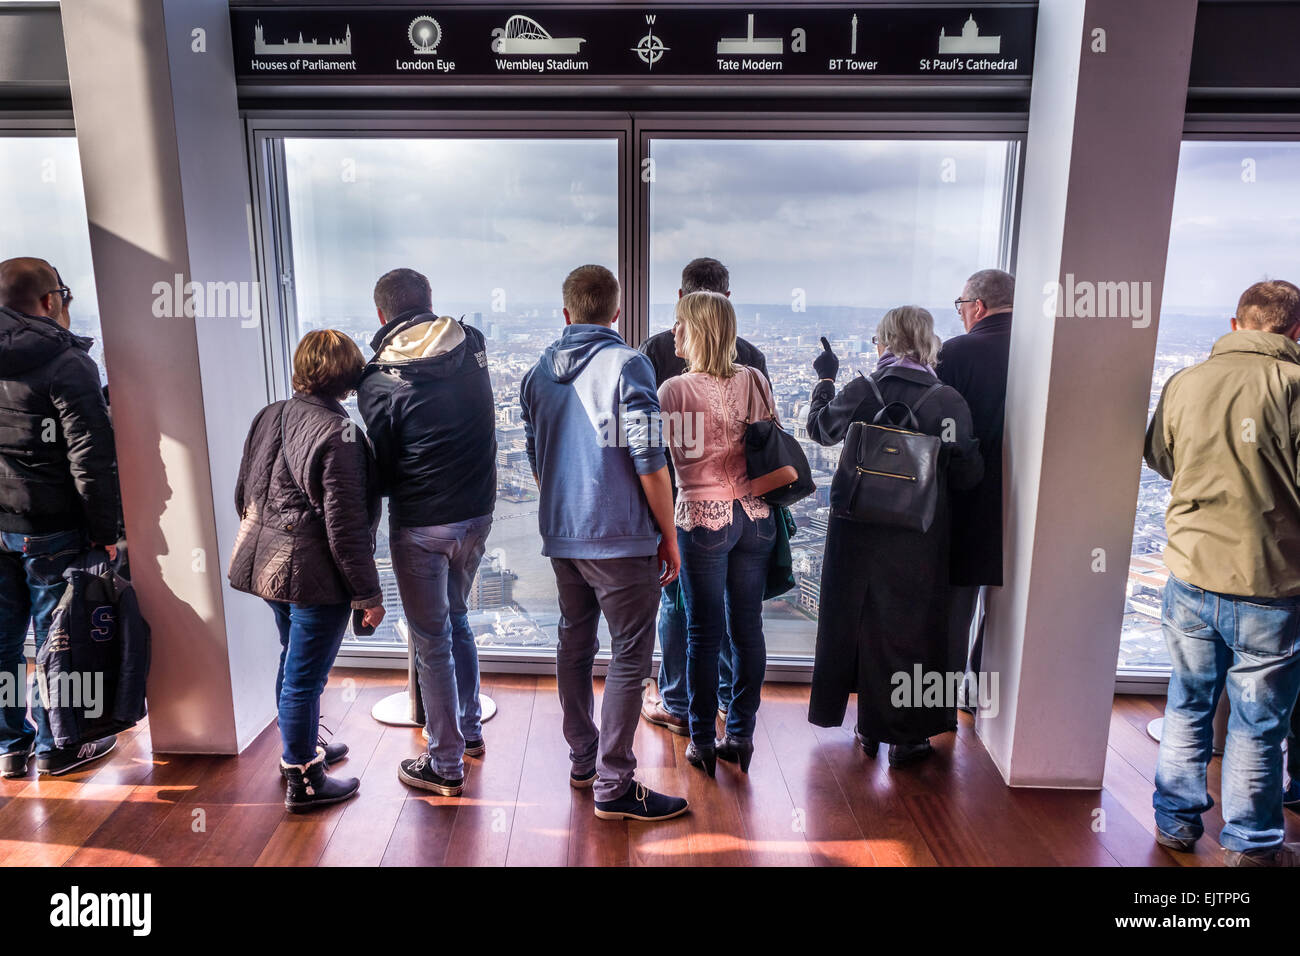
(725, 534)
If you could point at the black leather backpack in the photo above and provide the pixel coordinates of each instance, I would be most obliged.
(889, 470)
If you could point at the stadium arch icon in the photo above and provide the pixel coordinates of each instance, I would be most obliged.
(523, 34)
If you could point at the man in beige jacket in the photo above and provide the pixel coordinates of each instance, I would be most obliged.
(1227, 432)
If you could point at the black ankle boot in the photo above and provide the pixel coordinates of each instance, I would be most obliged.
(735, 750)
(307, 786)
(334, 752)
(705, 757)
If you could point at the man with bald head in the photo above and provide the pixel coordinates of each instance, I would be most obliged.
(58, 492)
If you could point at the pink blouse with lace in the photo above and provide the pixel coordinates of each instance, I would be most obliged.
(704, 420)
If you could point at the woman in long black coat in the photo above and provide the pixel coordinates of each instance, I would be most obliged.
(884, 590)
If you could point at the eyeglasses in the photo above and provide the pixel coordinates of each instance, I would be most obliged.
(956, 303)
(875, 340)
(64, 293)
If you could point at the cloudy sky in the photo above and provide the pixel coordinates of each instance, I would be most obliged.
(43, 213)
(851, 223)
(1228, 232)
(865, 223)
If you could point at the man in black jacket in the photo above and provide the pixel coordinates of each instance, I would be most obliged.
(58, 492)
(975, 364)
(427, 401)
(668, 707)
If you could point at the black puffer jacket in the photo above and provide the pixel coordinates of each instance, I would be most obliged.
(58, 468)
(317, 549)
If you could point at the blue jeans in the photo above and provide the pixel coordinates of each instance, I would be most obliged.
(1249, 647)
(723, 575)
(672, 664)
(310, 635)
(31, 584)
(435, 567)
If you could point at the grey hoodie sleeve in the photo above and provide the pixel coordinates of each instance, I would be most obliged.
(639, 410)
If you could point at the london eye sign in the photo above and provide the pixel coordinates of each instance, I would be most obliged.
(452, 43)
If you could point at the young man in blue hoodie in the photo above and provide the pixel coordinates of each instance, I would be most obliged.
(591, 420)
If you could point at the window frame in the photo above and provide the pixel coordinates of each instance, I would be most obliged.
(20, 125)
(1203, 127)
(265, 129)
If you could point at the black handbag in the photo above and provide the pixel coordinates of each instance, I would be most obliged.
(777, 467)
(889, 475)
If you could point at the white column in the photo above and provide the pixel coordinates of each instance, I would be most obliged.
(163, 160)
(1105, 124)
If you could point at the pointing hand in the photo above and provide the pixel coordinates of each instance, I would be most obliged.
(826, 365)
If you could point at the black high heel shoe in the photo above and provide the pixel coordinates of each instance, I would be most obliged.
(735, 750)
(870, 746)
(706, 757)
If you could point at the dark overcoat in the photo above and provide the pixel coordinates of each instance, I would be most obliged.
(885, 592)
(976, 365)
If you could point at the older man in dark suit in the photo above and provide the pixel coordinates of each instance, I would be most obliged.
(975, 364)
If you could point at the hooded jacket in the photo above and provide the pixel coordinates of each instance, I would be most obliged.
(58, 467)
(426, 398)
(1227, 432)
(591, 420)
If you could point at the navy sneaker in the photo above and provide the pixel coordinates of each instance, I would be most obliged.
(473, 748)
(418, 772)
(582, 781)
(639, 802)
(58, 762)
(1291, 795)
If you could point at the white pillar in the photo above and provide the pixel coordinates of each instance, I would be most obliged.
(1105, 124)
(162, 155)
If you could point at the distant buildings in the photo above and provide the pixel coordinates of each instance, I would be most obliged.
(493, 585)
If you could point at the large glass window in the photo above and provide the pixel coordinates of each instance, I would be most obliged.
(822, 237)
(496, 224)
(43, 211)
(1236, 221)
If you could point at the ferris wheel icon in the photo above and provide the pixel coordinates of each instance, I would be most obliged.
(425, 34)
(650, 48)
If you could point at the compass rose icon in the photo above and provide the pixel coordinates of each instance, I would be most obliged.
(650, 48)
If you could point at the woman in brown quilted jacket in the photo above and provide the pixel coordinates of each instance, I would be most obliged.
(308, 501)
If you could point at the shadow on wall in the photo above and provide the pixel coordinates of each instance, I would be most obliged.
(158, 421)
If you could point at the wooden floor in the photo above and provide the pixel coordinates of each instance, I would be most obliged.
(812, 798)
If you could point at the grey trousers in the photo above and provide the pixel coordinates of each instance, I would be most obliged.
(626, 590)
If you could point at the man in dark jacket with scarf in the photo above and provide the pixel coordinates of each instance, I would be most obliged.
(975, 364)
(58, 492)
(427, 401)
